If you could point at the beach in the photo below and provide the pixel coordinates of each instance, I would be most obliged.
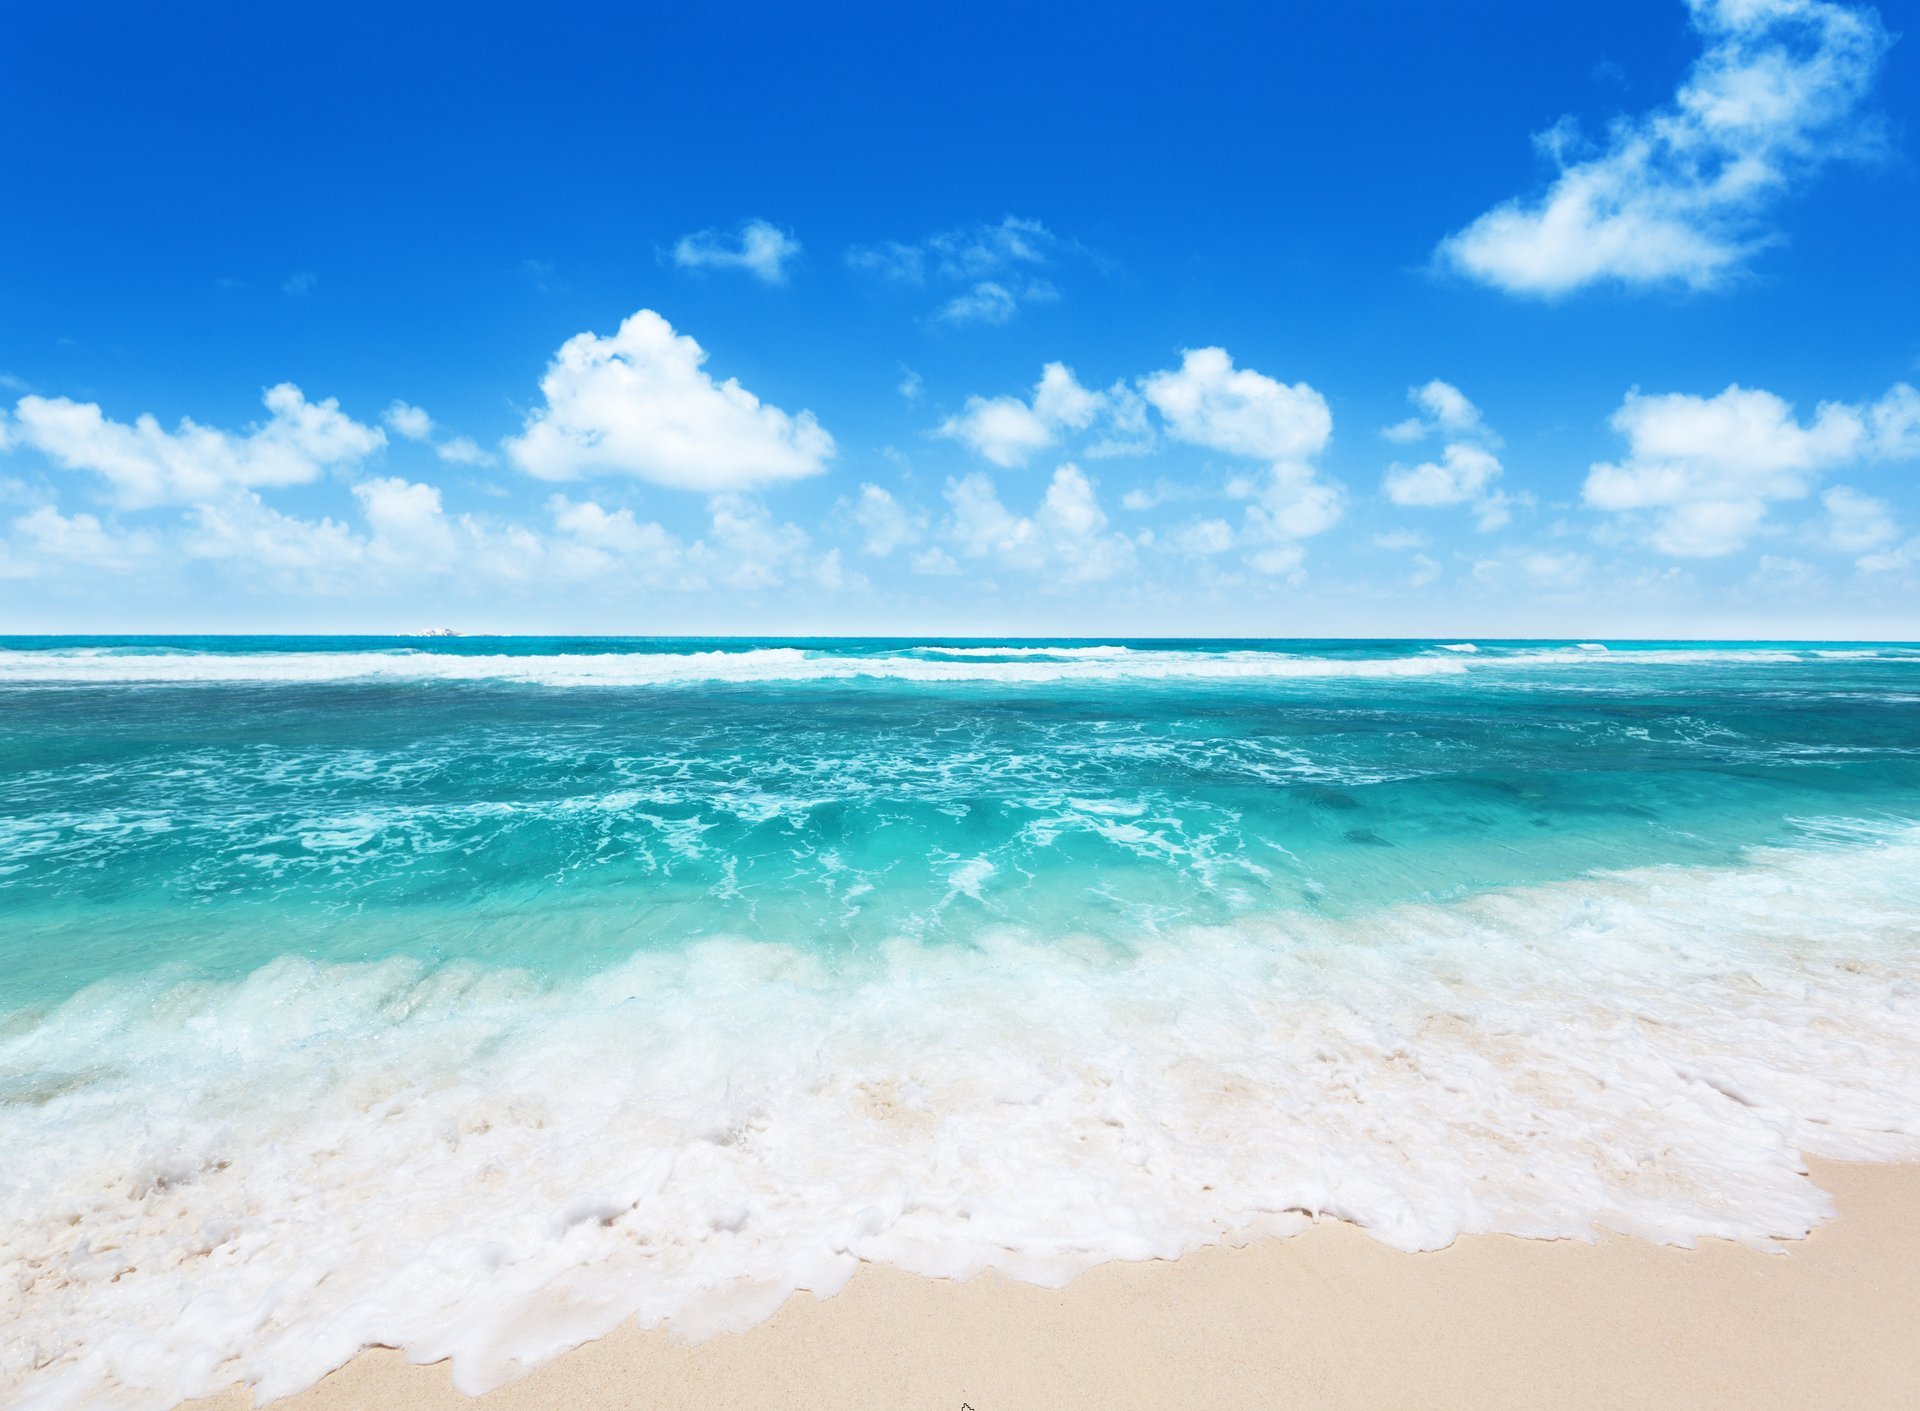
(753, 708)
(1326, 1319)
(1268, 1013)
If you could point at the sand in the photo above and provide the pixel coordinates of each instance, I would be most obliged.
(1329, 1319)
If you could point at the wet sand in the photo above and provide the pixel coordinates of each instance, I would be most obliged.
(1329, 1319)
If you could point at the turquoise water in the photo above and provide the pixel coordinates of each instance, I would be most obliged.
(343, 810)
(473, 996)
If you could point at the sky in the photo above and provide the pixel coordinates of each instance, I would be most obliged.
(1378, 319)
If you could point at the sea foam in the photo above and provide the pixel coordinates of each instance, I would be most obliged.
(930, 665)
(669, 668)
(250, 1180)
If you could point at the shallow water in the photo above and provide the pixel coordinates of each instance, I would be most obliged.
(473, 995)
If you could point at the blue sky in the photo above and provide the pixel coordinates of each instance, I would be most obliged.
(1371, 319)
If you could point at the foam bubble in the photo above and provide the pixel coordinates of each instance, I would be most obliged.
(252, 1180)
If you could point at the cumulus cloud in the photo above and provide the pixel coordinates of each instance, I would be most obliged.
(1467, 467)
(409, 421)
(144, 464)
(1207, 401)
(1066, 538)
(1701, 471)
(995, 268)
(640, 403)
(1444, 411)
(617, 531)
(1008, 431)
(757, 247)
(1679, 195)
(1462, 473)
(409, 526)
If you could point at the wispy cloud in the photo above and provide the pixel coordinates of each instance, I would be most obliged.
(757, 247)
(993, 269)
(1679, 195)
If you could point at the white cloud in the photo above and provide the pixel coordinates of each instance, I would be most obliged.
(146, 465)
(1445, 411)
(408, 421)
(911, 383)
(1677, 195)
(616, 530)
(1066, 538)
(1008, 431)
(760, 248)
(639, 403)
(982, 250)
(409, 527)
(1288, 503)
(1461, 474)
(592, 542)
(997, 266)
(1209, 402)
(1857, 523)
(885, 524)
(1467, 467)
(300, 285)
(1704, 469)
(1206, 401)
(413, 423)
(987, 302)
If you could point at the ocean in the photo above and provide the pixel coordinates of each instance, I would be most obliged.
(475, 995)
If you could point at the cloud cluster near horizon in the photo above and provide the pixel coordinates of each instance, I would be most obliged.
(1699, 479)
